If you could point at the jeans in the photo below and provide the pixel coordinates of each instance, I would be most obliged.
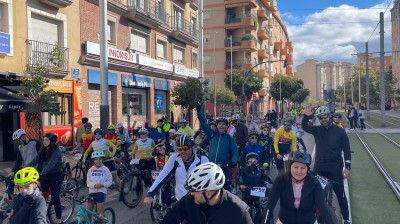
(227, 185)
(362, 124)
(53, 182)
(355, 122)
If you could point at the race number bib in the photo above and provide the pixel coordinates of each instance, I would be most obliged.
(286, 157)
(322, 180)
(258, 191)
(155, 174)
(98, 175)
(134, 161)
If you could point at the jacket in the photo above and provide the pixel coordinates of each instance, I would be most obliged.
(257, 148)
(186, 131)
(223, 149)
(145, 148)
(284, 141)
(241, 135)
(26, 153)
(329, 145)
(229, 210)
(250, 180)
(101, 175)
(101, 145)
(26, 214)
(156, 132)
(175, 166)
(312, 198)
(253, 127)
(53, 165)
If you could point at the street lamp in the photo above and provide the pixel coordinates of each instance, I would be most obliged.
(215, 78)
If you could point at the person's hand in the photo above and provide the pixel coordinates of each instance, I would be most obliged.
(10, 174)
(148, 202)
(308, 110)
(9, 214)
(198, 107)
(346, 173)
(30, 199)
(242, 187)
(96, 186)
(279, 156)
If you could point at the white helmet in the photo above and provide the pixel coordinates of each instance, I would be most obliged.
(172, 131)
(235, 117)
(205, 177)
(17, 134)
(143, 131)
(120, 125)
(98, 154)
(178, 133)
(183, 121)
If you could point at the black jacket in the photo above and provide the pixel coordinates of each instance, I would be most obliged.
(27, 214)
(312, 197)
(329, 145)
(230, 210)
(250, 180)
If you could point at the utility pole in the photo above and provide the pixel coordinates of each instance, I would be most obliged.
(359, 86)
(280, 79)
(352, 92)
(231, 61)
(382, 53)
(201, 45)
(344, 93)
(215, 77)
(104, 107)
(367, 77)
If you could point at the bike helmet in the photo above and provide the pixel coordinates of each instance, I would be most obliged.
(52, 137)
(172, 131)
(253, 133)
(98, 154)
(98, 131)
(143, 131)
(221, 119)
(337, 115)
(263, 126)
(205, 177)
(62, 148)
(323, 110)
(212, 123)
(299, 156)
(120, 125)
(185, 140)
(287, 121)
(160, 120)
(88, 125)
(235, 117)
(26, 176)
(183, 121)
(252, 155)
(17, 134)
(111, 127)
(165, 117)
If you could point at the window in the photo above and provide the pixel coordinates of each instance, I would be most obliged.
(45, 29)
(161, 49)
(3, 18)
(179, 54)
(111, 33)
(178, 19)
(206, 14)
(134, 102)
(194, 60)
(206, 38)
(160, 101)
(63, 119)
(140, 41)
(193, 26)
(206, 59)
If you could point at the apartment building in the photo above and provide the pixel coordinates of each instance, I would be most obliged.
(395, 14)
(257, 34)
(152, 46)
(30, 31)
(375, 62)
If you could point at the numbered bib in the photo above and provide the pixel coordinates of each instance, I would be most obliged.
(98, 175)
(155, 174)
(134, 161)
(258, 191)
(322, 180)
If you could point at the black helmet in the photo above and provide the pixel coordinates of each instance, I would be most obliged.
(52, 137)
(212, 123)
(222, 120)
(160, 120)
(300, 156)
(98, 131)
(337, 115)
(88, 125)
(185, 140)
(252, 155)
(253, 133)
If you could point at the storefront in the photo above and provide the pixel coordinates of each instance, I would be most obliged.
(135, 96)
(161, 96)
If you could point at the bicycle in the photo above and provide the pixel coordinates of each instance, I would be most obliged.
(67, 206)
(327, 186)
(83, 214)
(71, 186)
(79, 171)
(6, 199)
(159, 206)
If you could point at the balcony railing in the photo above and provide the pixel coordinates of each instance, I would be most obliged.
(150, 8)
(238, 64)
(40, 53)
(181, 24)
(233, 18)
(235, 42)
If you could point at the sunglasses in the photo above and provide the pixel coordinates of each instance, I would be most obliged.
(286, 124)
(97, 133)
(183, 148)
(111, 129)
(89, 128)
(322, 117)
(335, 117)
(253, 138)
(265, 129)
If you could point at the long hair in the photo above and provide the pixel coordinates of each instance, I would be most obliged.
(45, 153)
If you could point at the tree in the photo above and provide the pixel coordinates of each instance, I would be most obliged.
(300, 96)
(224, 96)
(253, 83)
(189, 93)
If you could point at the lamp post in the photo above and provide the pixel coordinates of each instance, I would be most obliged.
(215, 78)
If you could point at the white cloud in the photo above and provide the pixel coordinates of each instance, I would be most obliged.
(336, 42)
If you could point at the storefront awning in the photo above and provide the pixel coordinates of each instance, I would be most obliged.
(11, 101)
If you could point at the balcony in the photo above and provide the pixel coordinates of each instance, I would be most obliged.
(285, 51)
(235, 3)
(58, 3)
(184, 31)
(262, 34)
(289, 71)
(263, 53)
(289, 59)
(241, 64)
(40, 53)
(271, 23)
(289, 45)
(262, 15)
(278, 46)
(241, 45)
(240, 21)
(148, 14)
(263, 73)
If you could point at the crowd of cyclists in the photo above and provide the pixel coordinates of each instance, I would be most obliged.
(232, 158)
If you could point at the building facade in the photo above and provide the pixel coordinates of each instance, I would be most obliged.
(152, 46)
(375, 62)
(395, 14)
(257, 34)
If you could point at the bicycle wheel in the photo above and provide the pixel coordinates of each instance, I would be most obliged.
(132, 190)
(122, 171)
(79, 174)
(5, 205)
(109, 216)
(158, 208)
(67, 209)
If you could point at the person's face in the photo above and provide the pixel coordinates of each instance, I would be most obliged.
(221, 126)
(98, 161)
(143, 135)
(273, 133)
(298, 171)
(198, 197)
(336, 119)
(121, 129)
(269, 111)
(186, 152)
(234, 122)
(159, 124)
(253, 139)
(161, 150)
(251, 161)
(324, 120)
(46, 142)
(248, 118)
(172, 136)
(111, 131)
(21, 140)
(27, 187)
(88, 130)
(97, 136)
(182, 125)
(298, 125)
(286, 126)
(213, 127)
(265, 131)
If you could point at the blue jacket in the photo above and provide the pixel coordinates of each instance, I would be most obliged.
(223, 148)
(260, 150)
(155, 133)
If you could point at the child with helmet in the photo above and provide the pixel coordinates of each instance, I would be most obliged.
(99, 178)
(29, 206)
(65, 163)
(114, 137)
(266, 141)
(255, 147)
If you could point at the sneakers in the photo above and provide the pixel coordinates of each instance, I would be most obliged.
(346, 222)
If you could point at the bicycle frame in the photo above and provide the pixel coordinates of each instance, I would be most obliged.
(8, 193)
(84, 212)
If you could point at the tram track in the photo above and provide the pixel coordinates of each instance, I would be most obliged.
(385, 136)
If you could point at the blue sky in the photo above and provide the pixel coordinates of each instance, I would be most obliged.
(334, 42)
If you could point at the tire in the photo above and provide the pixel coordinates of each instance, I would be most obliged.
(6, 205)
(79, 174)
(158, 209)
(109, 215)
(122, 171)
(67, 209)
(132, 190)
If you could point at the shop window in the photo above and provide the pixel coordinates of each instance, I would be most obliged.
(161, 49)
(160, 102)
(194, 60)
(64, 119)
(179, 54)
(140, 41)
(134, 102)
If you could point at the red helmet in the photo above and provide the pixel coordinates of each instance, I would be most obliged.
(263, 126)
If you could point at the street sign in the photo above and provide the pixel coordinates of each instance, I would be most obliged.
(75, 73)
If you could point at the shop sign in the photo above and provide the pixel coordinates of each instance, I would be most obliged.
(193, 73)
(185, 72)
(5, 43)
(13, 106)
(135, 81)
(93, 48)
(62, 86)
(143, 60)
(162, 84)
(159, 102)
(94, 77)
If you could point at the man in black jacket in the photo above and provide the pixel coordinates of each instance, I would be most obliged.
(330, 140)
(207, 201)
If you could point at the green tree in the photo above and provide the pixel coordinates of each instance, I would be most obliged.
(224, 96)
(253, 83)
(300, 96)
(189, 93)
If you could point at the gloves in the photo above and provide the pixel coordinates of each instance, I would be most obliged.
(198, 107)
(30, 199)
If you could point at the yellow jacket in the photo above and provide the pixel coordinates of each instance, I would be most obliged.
(101, 144)
(145, 147)
(283, 137)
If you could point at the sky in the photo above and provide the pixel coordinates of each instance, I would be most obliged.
(351, 24)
